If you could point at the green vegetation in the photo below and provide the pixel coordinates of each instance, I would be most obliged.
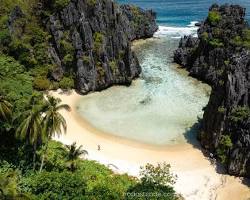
(214, 17)
(217, 32)
(41, 83)
(98, 42)
(204, 36)
(5, 109)
(244, 40)
(59, 4)
(9, 188)
(227, 62)
(74, 153)
(223, 148)
(239, 114)
(100, 70)
(66, 83)
(27, 41)
(89, 180)
(138, 17)
(35, 167)
(113, 66)
(155, 180)
(67, 51)
(15, 84)
(91, 2)
(222, 109)
(216, 43)
(86, 60)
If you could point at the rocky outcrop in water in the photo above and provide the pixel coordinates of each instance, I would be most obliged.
(95, 38)
(220, 56)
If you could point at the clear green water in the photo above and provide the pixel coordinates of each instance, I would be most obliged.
(159, 108)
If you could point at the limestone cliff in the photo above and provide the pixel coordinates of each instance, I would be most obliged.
(98, 37)
(220, 56)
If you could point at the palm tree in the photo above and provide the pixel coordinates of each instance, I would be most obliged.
(30, 128)
(53, 122)
(5, 108)
(73, 154)
(8, 187)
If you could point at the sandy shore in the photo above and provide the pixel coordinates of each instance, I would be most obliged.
(197, 177)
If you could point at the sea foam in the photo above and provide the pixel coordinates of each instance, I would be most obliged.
(177, 32)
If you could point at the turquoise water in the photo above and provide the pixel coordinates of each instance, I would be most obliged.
(159, 108)
(182, 12)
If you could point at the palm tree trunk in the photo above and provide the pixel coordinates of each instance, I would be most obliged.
(34, 156)
(43, 157)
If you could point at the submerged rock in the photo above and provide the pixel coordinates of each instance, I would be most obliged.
(96, 37)
(220, 56)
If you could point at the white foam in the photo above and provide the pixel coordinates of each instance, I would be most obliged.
(192, 24)
(177, 32)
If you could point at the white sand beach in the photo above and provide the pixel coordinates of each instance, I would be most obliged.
(197, 177)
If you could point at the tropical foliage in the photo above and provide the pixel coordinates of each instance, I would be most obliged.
(73, 153)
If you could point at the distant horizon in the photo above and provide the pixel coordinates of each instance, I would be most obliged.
(175, 13)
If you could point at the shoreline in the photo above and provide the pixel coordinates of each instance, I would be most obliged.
(186, 160)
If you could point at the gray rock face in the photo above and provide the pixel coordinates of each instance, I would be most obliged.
(93, 40)
(142, 23)
(217, 59)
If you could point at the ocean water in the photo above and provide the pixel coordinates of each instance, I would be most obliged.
(182, 12)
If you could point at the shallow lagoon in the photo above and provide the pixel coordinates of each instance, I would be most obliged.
(159, 108)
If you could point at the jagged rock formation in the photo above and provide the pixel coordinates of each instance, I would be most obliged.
(96, 37)
(220, 56)
(142, 24)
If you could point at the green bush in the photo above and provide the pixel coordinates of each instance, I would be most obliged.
(66, 47)
(240, 113)
(243, 41)
(223, 148)
(15, 82)
(41, 71)
(98, 42)
(204, 36)
(86, 60)
(5, 38)
(56, 185)
(68, 59)
(227, 62)
(214, 17)
(217, 43)
(54, 85)
(100, 70)
(60, 4)
(113, 66)
(246, 38)
(222, 109)
(9, 187)
(217, 32)
(41, 83)
(66, 83)
(155, 180)
(91, 3)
